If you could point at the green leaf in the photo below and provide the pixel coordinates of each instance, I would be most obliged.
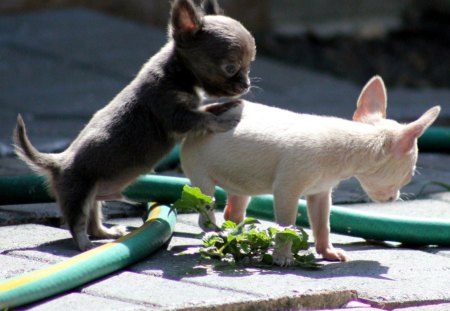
(192, 197)
(267, 259)
(211, 240)
(272, 231)
(249, 221)
(246, 242)
(307, 261)
(228, 225)
(197, 193)
(245, 248)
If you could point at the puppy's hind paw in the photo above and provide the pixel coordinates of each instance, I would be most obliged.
(114, 232)
(333, 254)
(83, 242)
(119, 231)
(207, 223)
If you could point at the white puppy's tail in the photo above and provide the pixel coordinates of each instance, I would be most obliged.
(39, 162)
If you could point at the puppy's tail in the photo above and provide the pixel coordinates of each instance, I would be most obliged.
(40, 162)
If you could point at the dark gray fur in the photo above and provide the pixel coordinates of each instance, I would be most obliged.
(143, 122)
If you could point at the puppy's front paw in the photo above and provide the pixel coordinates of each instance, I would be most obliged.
(114, 232)
(83, 242)
(282, 258)
(333, 254)
(207, 223)
(218, 109)
(282, 254)
(118, 231)
(224, 123)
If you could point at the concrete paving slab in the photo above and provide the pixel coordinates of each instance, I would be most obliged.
(81, 302)
(438, 251)
(49, 210)
(159, 292)
(196, 297)
(441, 196)
(382, 276)
(50, 214)
(183, 260)
(29, 236)
(12, 266)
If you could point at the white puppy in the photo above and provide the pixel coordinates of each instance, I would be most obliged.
(290, 155)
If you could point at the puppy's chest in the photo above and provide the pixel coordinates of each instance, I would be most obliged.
(321, 186)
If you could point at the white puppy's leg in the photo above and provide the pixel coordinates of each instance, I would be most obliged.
(235, 209)
(285, 205)
(319, 220)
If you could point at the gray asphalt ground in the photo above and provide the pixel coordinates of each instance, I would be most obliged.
(58, 67)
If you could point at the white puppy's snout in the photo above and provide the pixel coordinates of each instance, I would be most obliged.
(384, 196)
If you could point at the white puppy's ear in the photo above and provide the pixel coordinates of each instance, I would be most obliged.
(405, 141)
(372, 102)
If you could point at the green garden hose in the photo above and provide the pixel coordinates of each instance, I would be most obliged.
(435, 139)
(90, 265)
(408, 230)
(370, 226)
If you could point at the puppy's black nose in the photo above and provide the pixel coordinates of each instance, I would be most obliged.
(243, 82)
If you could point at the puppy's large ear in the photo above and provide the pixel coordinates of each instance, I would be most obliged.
(406, 139)
(372, 102)
(211, 7)
(186, 19)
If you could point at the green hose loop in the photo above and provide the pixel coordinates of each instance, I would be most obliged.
(413, 231)
(23, 190)
(93, 264)
(370, 226)
(169, 161)
(167, 189)
(435, 139)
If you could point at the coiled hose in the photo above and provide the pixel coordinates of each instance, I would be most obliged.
(92, 264)
(371, 226)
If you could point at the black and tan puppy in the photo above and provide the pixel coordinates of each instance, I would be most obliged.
(142, 123)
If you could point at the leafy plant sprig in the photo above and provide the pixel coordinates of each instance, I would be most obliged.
(248, 242)
(192, 198)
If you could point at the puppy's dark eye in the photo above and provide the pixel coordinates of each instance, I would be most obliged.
(230, 69)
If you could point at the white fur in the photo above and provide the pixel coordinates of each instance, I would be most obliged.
(290, 155)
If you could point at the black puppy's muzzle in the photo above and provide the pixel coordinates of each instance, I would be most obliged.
(242, 84)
